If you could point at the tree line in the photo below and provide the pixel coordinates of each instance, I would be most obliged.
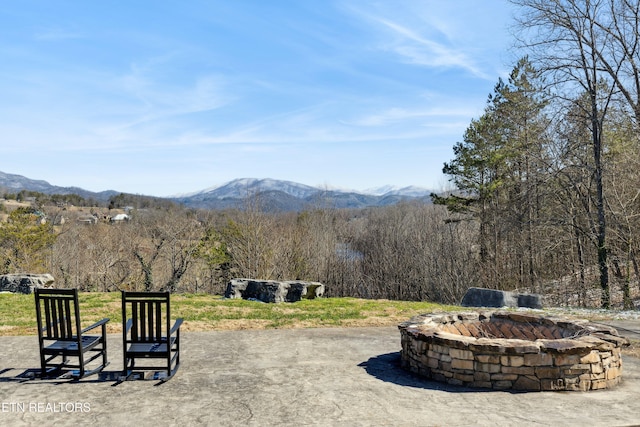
(550, 170)
(409, 251)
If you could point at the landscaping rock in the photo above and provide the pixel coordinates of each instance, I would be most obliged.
(481, 297)
(273, 291)
(24, 283)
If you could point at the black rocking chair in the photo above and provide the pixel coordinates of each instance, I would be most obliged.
(148, 334)
(61, 339)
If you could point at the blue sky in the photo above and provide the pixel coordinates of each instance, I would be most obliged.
(167, 97)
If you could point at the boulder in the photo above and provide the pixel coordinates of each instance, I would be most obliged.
(530, 300)
(481, 297)
(24, 283)
(304, 290)
(273, 291)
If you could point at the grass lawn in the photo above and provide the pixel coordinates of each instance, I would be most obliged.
(203, 312)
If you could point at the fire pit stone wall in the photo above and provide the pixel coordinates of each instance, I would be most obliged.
(512, 350)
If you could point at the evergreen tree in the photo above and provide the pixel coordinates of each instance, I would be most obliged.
(496, 170)
(25, 241)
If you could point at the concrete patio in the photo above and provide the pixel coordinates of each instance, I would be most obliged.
(293, 377)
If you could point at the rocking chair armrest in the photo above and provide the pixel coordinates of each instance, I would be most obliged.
(95, 325)
(176, 326)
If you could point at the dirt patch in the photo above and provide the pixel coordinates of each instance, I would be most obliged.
(231, 325)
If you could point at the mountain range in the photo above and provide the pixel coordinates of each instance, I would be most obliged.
(269, 194)
(11, 183)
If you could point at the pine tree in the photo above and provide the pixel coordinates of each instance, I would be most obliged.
(25, 241)
(496, 173)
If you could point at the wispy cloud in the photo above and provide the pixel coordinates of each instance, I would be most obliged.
(314, 128)
(427, 52)
(148, 82)
(402, 115)
(161, 101)
(412, 43)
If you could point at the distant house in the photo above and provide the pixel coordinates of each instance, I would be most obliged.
(120, 218)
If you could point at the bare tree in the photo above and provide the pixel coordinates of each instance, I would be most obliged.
(622, 201)
(569, 41)
(411, 252)
(247, 238)
(165, 246)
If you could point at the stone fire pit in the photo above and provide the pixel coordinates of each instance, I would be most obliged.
(512, 350)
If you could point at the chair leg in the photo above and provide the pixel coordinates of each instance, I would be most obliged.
(43, 365)
(104, 345)
(128, 364)
(81, 363)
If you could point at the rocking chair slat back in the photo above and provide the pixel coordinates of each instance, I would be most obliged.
(61, 314)
(149, 323)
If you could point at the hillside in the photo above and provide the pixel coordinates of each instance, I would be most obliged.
(267, 194)
(12, 183)
(277, 195)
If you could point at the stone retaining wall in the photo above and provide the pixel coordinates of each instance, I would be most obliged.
(512, 351)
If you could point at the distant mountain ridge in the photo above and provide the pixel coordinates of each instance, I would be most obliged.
(241, 187)
(271, 194)
(13, 183)
(282, 195)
